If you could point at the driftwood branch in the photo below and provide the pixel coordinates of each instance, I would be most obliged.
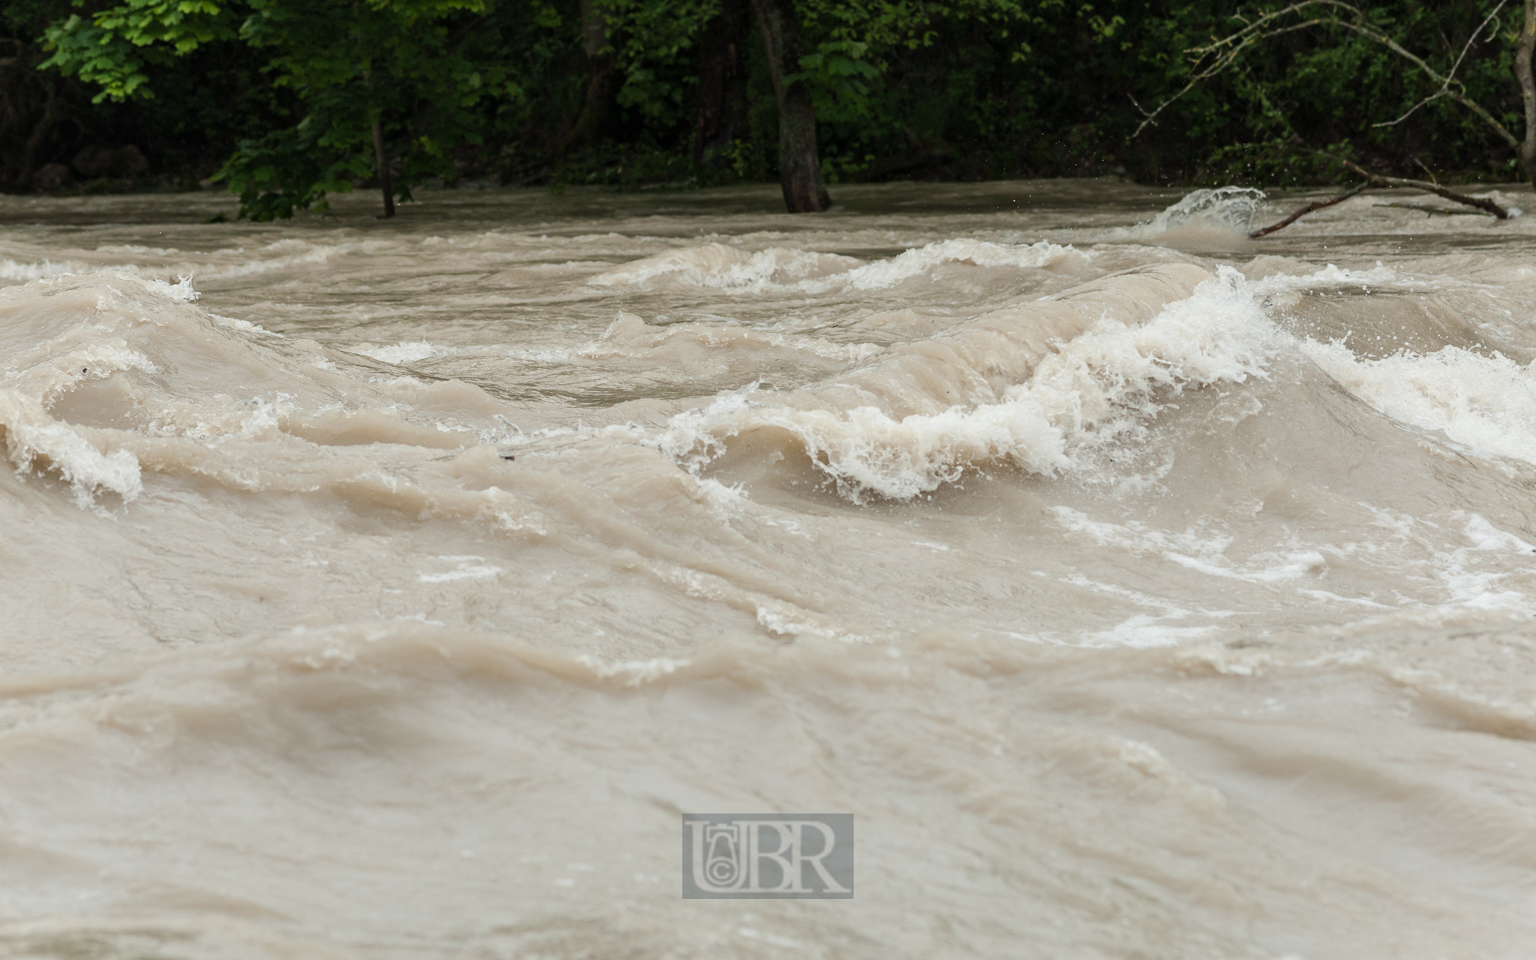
(1376, 180)
(1312, 207)
(1380, 180)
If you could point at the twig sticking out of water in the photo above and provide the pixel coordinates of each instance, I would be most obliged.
(1379, 180)
(1309, 208)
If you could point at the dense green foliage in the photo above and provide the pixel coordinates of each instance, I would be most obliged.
(279, 98)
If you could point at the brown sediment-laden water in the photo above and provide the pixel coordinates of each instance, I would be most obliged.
(389, 590)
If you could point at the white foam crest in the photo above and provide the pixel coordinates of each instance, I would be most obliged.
(727, 501)
(223, 420)
(180, 291)
(1464, 571)
(404, 352)
(136, 248)
(31, 434)
(309, 254)
(17, 272)
(634, 673)
(1229, 209)
(923, 260)
(84, 467)
(1485, 536)
(1486, 404)
(1142, 631)
(469, 568)
(867, 450)
(245, 326)
(1335, 276)
(728, 268)
(1093, 392)
(264, 422)
(777, 267)
(1217, 334)
(1202, 554)
(630, 336)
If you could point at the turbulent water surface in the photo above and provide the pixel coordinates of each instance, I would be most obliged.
(388, 590)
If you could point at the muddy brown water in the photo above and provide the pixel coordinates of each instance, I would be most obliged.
(390, 589)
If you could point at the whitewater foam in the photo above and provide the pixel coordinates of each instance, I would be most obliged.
(1097, 389)
(726, 268)
(776, 268)
(1485, 403)
(180, 291)
(922, 261)
(1169, 631)
(1224, 209)
(401, 353)
(14, 272)
(698, 343)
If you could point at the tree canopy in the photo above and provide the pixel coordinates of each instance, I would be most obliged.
(287, 101)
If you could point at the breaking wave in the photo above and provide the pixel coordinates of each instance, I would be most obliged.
(732, 269)
(1081, 379)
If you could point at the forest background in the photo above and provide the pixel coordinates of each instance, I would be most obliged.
(285, 101)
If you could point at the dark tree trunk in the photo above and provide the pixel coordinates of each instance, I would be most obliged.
(381, 157)
(30, 108)
(1523, 49)
(799, 162)
(39, 136)
(722, 80)
(599, 39)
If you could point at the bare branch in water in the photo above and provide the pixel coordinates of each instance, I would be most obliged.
(1380, 180)
(1309, 208)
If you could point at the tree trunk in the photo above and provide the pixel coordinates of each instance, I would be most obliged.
(599, 39)
(1527, 92)
(39, 136)
(382, 159)
(799, 162)
(722, 80)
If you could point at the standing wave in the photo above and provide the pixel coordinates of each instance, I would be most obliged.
(1032, 385)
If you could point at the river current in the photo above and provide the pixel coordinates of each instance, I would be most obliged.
(390, 589)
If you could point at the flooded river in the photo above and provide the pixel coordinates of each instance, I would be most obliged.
(389, 589)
